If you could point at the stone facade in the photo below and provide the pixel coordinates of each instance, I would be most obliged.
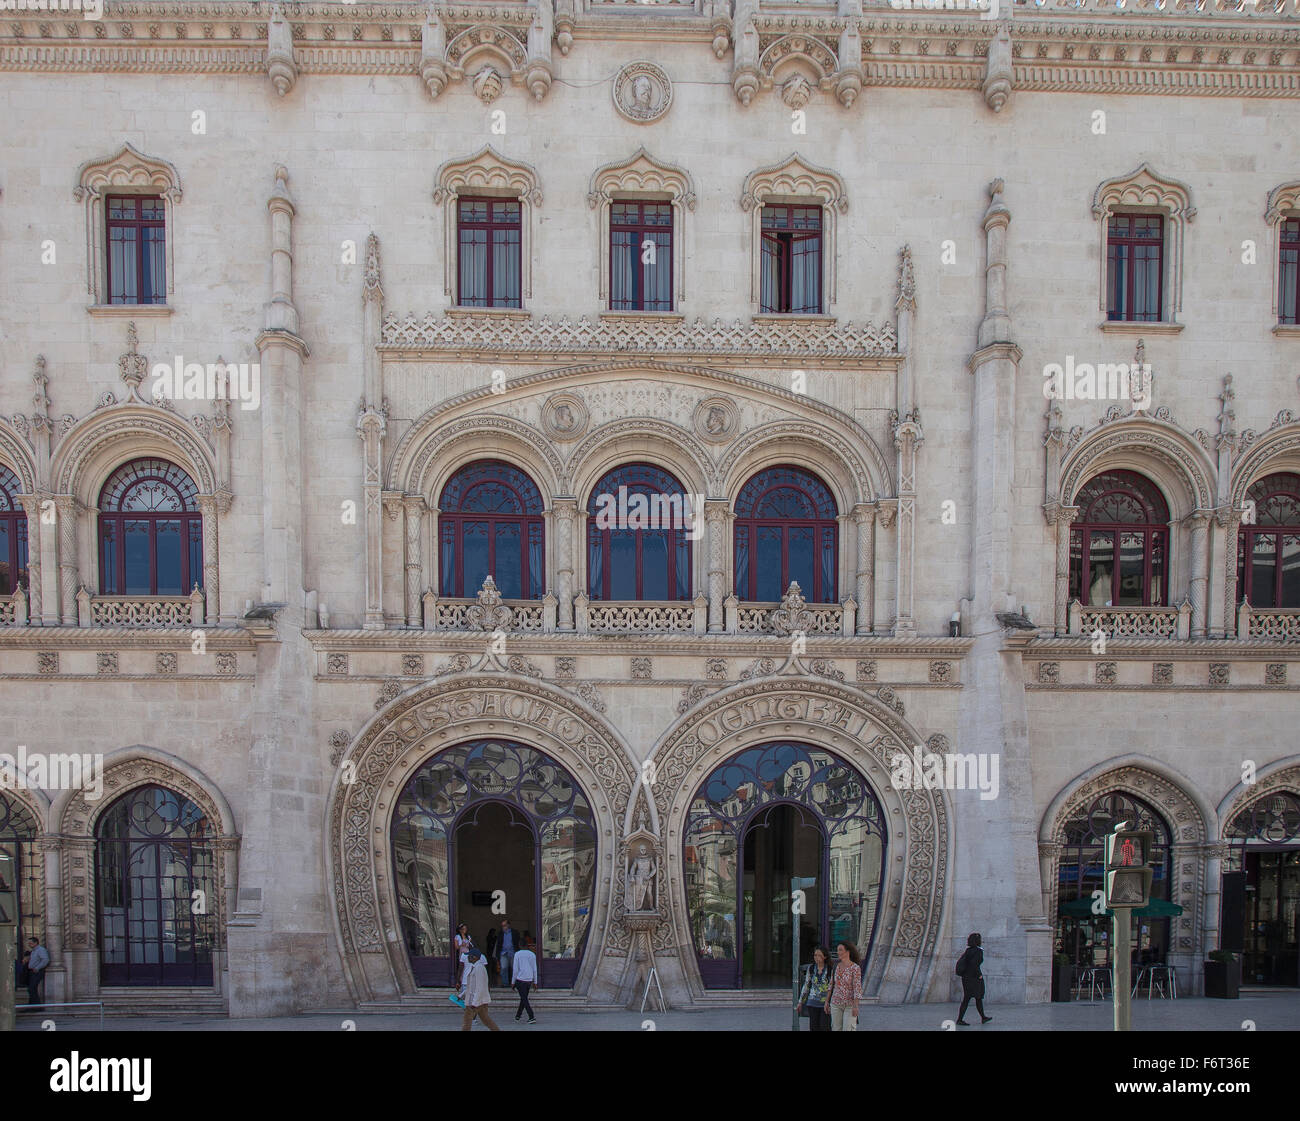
(310, 157)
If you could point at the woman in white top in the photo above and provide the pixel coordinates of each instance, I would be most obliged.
(463, 945)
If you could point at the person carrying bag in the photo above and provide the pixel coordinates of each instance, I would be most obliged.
(816, 990)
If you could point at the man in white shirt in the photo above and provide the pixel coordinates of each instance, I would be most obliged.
(525, 978)
(38, 960)
(477, 997)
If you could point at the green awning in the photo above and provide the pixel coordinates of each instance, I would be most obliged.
(1157, 909)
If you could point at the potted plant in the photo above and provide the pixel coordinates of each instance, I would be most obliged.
(1223, 975)
(1062, 977)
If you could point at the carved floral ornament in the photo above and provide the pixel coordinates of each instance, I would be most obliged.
(127, 171)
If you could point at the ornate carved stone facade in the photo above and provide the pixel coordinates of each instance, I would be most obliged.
(319, 659)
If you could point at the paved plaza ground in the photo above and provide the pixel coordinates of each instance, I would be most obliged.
(1272, 1011)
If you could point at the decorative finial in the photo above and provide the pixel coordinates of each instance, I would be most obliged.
(906, 280)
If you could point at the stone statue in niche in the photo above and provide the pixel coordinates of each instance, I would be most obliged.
(641, 879)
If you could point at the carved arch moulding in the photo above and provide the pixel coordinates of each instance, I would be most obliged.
(127, 172)
(1143, 189)
(1283, 775)
(866, 732)
(409, 730)
(486, 172)
(1187, 815)
(76, 819)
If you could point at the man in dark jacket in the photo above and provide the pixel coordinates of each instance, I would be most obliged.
(972, 980)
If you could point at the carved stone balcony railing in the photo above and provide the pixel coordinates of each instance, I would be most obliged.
(13, 609)
(532, 615)
(606, 617)
(140, 611)
(820, 618)
(1268, 624)
(1132, 622)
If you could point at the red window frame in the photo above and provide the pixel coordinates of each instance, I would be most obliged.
(137, 224)
(781, 232)
(502, 216)
(454, 514)
(1288, 269)
(1127, 235)
(678, 576)
(14, 520)
(1154, 531)
(633, 216)
(112, 527)
(1285, 485)
(824, 526)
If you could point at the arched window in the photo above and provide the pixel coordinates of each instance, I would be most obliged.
(153, 854)
(786, 531)
(1268, 549)
(150, 531)
(637, 543)
(18, 840)
(1119, 545)
(1082, 934)
(13, 534)
(490, 523)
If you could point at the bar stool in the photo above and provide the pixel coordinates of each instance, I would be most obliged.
(1158, 976)
(1097, 977)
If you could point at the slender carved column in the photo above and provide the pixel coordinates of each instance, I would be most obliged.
(414, 508)
(1063, 517)
(864, 517)
(371, 426)
(565, 519)
(1230, 520)
(907, 438)
(211, 578)
(717, 514)
(31, 504)
(66, 510)
(1198, 523)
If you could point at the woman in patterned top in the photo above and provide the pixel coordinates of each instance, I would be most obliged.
(846, 986)
(816, 988)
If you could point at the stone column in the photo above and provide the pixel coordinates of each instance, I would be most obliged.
(1214, 855)
(717, 514)
(31, 504)
(907, 438)
(864, 517)
(1063, 517)
(50, 847)
(414, 507)
(565, 520)
(1230, 521)
(66, 510)
(1049, 856)
(1198, 523)
(371, 426)
(211, 577)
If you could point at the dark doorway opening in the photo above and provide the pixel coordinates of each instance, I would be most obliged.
(782, 842)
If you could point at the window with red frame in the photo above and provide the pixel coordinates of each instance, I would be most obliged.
(150, 531)
(785, 530)
(641, 256)
(490, 257)
(640, 556)
(1135, 268)
(490, 523)
(1120, 542)
(137, 259)
(791, 267)
(13, 534)
(1288, 281)
(1268, 549)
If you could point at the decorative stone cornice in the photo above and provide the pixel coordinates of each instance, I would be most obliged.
(641, 172)
(486, 168)
(794, 177)
(548, 337)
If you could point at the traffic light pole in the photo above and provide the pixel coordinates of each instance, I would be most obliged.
(1122, 940)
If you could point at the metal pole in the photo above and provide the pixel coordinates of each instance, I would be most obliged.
(794, 954)
(8, 956)
(1122, 925)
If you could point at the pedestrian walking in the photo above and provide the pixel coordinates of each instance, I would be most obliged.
(38, 961)
(490, 949)
(477, 996)
(816, 989)
(972, 980)
(507, 947)
(525, 966)
(464, 943)
(845, 988)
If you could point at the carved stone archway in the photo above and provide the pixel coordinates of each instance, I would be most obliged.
(865, 731)
(1190, 820)
(76, 818)
(395, 743)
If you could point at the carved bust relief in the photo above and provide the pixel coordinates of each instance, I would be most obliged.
(642, 92)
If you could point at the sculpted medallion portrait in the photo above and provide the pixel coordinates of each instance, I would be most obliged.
(642, 92)
(565, 417)
(716, 419)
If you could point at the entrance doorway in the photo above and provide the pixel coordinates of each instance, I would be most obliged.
(1264, 901)
(494, 874)
(781, 842)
